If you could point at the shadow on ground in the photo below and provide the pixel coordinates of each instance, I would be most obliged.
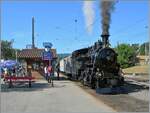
(24, 87)
(60, 78)
(125, 89)
(37, 86)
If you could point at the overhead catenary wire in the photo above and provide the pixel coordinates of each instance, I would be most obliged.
(120, 31)
(81, 33)
(128, 27)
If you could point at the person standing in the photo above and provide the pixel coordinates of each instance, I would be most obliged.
(5, 72)
(45, 72)
(29, 71)
(50, 74)
(14, 70)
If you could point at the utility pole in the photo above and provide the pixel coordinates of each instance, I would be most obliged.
(117, 43)
(33, 45)
(146, 51)
(16, 56)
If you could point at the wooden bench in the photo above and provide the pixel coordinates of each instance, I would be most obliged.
(14, 79)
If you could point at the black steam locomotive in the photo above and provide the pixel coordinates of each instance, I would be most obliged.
(96, 66)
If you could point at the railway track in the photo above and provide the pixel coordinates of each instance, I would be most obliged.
(130, 99)
(137, 81)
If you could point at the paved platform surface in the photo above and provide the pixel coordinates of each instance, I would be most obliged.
(65, 96)
(37, 75)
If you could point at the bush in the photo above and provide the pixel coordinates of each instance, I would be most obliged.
(126, 55)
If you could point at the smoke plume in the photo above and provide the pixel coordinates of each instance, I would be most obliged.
(107, 6)
(89, 14)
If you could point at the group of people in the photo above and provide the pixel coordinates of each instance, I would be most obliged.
(13, 71)
(49, 73)
(8, 71)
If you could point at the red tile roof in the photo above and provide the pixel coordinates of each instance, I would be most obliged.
(34, 53)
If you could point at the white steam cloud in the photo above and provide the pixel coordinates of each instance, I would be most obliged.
(89, 14)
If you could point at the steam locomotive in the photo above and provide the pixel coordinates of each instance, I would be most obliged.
(95, 66)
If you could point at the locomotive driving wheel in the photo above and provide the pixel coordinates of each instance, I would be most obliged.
(100, 81)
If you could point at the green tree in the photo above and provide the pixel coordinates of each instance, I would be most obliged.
(144, 47)
(7, 52)
(136, 47)
(126, 55)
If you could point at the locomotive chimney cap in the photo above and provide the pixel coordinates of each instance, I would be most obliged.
(105, 35)
(105, 40)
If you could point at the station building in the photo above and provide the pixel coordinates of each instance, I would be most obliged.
(33, 58)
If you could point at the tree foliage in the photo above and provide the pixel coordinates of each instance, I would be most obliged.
(136, 48)
(126, 55)
(7, 52)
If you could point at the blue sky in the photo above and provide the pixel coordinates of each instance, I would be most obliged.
(55, 23)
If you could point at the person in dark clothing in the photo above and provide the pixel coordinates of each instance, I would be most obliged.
(58, 70)
(14, 71)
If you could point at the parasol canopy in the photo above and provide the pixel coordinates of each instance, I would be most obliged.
(8, 63)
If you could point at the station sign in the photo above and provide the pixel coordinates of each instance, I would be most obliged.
(47, 45)
(47, 55)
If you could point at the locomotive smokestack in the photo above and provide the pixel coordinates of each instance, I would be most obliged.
(33, 45)
(105, 40)
(106, 7)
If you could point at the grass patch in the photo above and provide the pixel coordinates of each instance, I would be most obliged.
(137, 69)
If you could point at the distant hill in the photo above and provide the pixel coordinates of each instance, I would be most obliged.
(63, 55)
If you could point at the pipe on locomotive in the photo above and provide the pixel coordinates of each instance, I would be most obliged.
(105, 40)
